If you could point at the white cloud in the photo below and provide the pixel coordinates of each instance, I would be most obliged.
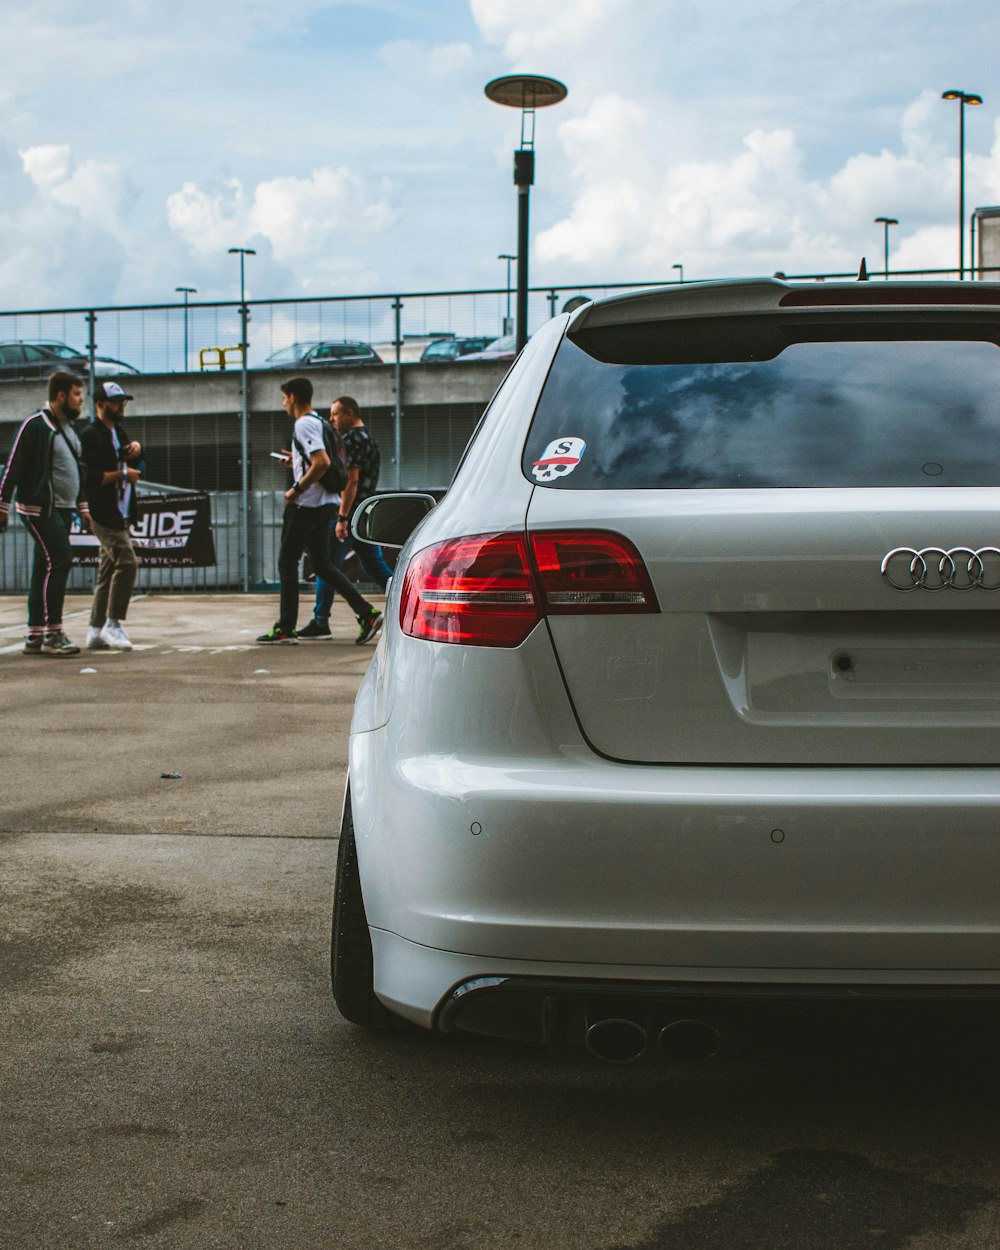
(310, 224)
(757, 209)
(64, 235)
(55, 242)
(303, 217)
(984, 171)
(530, 28)
(652, 218)
(929, 247)
(48, 165)
(611, 125)
(209, 221)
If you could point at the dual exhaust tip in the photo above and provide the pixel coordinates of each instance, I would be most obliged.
(682, 1041)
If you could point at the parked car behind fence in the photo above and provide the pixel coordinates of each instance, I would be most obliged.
(31, 361)
(445, 349)
(324, 354)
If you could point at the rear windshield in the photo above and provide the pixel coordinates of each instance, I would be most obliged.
(817, 414)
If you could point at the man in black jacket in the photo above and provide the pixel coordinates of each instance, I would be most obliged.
(109, 456)
(43, 469)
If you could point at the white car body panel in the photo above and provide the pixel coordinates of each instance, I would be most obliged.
(594, 864)
(760, 592)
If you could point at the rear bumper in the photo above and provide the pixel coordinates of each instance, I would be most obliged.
(557, 1012)
(492, 842)
(556, 1003)
(725, 873)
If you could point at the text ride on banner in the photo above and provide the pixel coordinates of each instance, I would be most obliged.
(170, 530)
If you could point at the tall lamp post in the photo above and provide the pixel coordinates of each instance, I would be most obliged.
(507, 326)
(886, 222)
(186, 291)
(963, 98)
(243, 253)
(526, 92)
(680, 270)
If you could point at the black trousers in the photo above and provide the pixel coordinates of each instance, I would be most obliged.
(307, 529)
(50, 570)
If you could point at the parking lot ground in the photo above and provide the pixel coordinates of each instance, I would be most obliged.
(258, 733)
(175, 1075)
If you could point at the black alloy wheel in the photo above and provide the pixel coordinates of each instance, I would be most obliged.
(351, 964)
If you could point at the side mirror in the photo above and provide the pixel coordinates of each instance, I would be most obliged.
(389, 520)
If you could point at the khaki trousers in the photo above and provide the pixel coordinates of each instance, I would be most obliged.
(115, 575)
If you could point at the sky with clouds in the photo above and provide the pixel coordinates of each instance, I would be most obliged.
(349, 141)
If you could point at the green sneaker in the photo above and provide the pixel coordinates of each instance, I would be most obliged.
(277, 634)
(33, 644)
(368, 627)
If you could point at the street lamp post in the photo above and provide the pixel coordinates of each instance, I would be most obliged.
(963, 98)
(527, 92)
(886, 222)
(507, 326)
(186, 291)
(243, 253)
(680, 269)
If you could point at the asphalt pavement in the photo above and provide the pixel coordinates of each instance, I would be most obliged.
(176, 1075)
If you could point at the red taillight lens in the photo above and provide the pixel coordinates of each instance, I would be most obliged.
(591, 571)
(482, 591)
(477, 591)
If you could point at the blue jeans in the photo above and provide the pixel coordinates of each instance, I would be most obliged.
(370, 559)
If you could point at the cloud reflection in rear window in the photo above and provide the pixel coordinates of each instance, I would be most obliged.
(826, 414)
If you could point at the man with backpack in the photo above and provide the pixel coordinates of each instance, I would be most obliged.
(363, 462)
(319, 471)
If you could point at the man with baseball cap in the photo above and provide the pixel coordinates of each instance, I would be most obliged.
(109, 456)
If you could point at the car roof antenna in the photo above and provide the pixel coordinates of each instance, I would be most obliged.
(863, 271)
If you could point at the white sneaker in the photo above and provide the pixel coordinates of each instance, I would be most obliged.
(94, 640)
(115, 636)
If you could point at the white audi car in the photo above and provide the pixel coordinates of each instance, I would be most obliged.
(689, 689)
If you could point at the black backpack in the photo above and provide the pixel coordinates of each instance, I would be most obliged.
(335, 478)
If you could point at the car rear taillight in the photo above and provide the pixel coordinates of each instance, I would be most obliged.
(487, 591)
(591, 571)
(477, 591)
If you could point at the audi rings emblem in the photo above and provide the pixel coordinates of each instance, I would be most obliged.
(933, 568)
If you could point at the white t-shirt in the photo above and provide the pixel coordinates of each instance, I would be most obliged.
(125, 486)
(309, 435)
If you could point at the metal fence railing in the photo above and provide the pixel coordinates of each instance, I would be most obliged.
(168, 338)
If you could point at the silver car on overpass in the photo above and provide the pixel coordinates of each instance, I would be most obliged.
(689, 690)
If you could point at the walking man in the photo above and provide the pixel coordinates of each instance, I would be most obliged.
(44, 469)
(309, 507)
(363, 463)
(109, 457)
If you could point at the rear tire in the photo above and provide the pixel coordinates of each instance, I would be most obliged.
(351, 962)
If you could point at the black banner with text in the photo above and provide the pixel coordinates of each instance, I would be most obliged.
(170, 531)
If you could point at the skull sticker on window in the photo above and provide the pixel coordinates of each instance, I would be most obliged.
(559, 459)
